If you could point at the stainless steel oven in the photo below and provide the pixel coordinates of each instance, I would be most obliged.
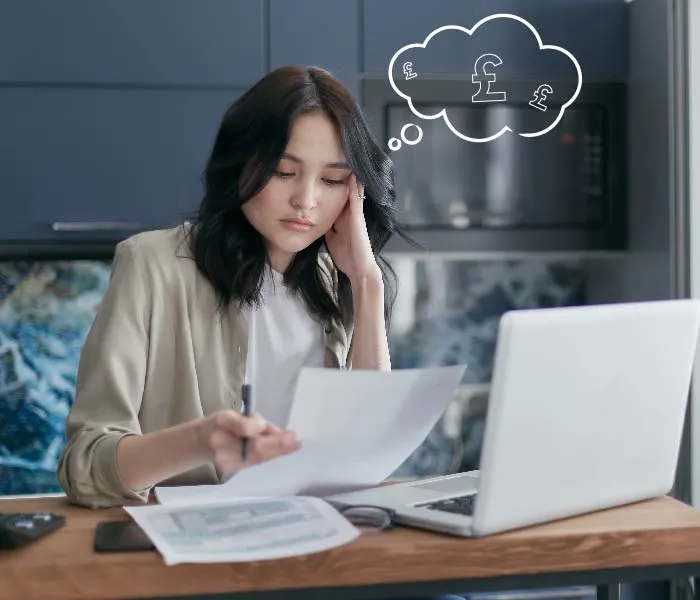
(564, 190)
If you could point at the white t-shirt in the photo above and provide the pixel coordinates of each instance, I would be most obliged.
(286, 339)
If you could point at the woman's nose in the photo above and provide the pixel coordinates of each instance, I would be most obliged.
(305, 197)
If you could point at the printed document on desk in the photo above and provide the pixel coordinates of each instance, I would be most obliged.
(243, 531)
(356, 429)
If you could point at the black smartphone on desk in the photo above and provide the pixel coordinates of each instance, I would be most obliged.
(121, 536)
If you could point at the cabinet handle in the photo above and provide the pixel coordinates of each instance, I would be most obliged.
(96, 225)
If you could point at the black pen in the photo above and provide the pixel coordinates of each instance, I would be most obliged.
(247, 411)
(249, 380)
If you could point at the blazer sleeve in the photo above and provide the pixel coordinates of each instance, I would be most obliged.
(342, 333)
(110, 384)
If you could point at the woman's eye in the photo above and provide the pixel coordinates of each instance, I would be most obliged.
(283, 174)
(334, 181)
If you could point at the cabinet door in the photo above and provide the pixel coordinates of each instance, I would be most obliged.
(317, 33)
(102, 163)
(391, 24)
(195, 42)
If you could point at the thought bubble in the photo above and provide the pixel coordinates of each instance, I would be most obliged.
(547, 99)
(394, 143)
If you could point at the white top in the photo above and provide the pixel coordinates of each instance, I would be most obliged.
(284, 339)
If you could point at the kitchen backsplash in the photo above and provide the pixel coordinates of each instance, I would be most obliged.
(446, 312)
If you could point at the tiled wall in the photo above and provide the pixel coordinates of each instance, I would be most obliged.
(446, 312)
(45, 312)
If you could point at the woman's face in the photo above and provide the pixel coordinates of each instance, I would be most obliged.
(306, 194)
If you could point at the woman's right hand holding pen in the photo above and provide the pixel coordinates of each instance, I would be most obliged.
(147, 459)
(222, 435)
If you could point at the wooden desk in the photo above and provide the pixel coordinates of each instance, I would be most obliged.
(654, 540)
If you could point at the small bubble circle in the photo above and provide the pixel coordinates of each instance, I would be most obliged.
(411, 142)
(394, 144)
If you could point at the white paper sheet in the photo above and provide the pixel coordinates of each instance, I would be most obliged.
(356, 429)
(241, 531)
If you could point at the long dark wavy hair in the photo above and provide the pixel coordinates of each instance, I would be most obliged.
(253, 134)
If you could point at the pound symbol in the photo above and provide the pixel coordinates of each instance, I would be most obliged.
(481, 76)
(408, 71)
(540, 96)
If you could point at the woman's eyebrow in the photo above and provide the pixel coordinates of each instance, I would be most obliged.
(333, 165)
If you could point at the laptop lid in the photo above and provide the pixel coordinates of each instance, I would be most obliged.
(586, 409)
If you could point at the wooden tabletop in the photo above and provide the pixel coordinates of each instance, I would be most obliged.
(64, 566)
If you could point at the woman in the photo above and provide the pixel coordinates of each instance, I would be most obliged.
(294, 169)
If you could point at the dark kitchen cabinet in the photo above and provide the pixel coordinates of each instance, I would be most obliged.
(319, 33)
(389, 25)
(163, 42)
(108, 110)
(102, 163)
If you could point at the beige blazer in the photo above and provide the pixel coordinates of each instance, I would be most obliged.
(159, 353)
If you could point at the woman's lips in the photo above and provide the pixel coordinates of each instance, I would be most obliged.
(297, 224)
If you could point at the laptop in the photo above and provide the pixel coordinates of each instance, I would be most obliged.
(586, 412)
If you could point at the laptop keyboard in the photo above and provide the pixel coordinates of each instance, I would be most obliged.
(460, 505)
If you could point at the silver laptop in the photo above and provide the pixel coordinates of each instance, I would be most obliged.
(586, 411)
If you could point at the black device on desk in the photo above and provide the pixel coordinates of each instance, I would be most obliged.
(121, 536)
(18, 529)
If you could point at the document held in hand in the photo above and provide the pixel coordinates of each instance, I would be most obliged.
(356, 428)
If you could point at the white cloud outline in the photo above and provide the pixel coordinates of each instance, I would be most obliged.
(443, 112)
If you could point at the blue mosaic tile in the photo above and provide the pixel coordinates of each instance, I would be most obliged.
(46, 309)
(448, 313)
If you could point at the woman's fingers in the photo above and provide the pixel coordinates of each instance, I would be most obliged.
(271, 446)
(238, 424)
(352, 187)
(267, 444)
(270, 428)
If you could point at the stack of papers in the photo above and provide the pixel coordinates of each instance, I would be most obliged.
(241, 531)
(356, 429)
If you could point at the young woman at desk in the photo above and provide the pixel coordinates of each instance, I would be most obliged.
(294, 167)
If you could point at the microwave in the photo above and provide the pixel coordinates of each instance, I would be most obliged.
(563, 190)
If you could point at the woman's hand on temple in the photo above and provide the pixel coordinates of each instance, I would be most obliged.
(222, 435)
(348, 241)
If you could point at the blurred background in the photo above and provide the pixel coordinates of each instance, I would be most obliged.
(108, 111)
